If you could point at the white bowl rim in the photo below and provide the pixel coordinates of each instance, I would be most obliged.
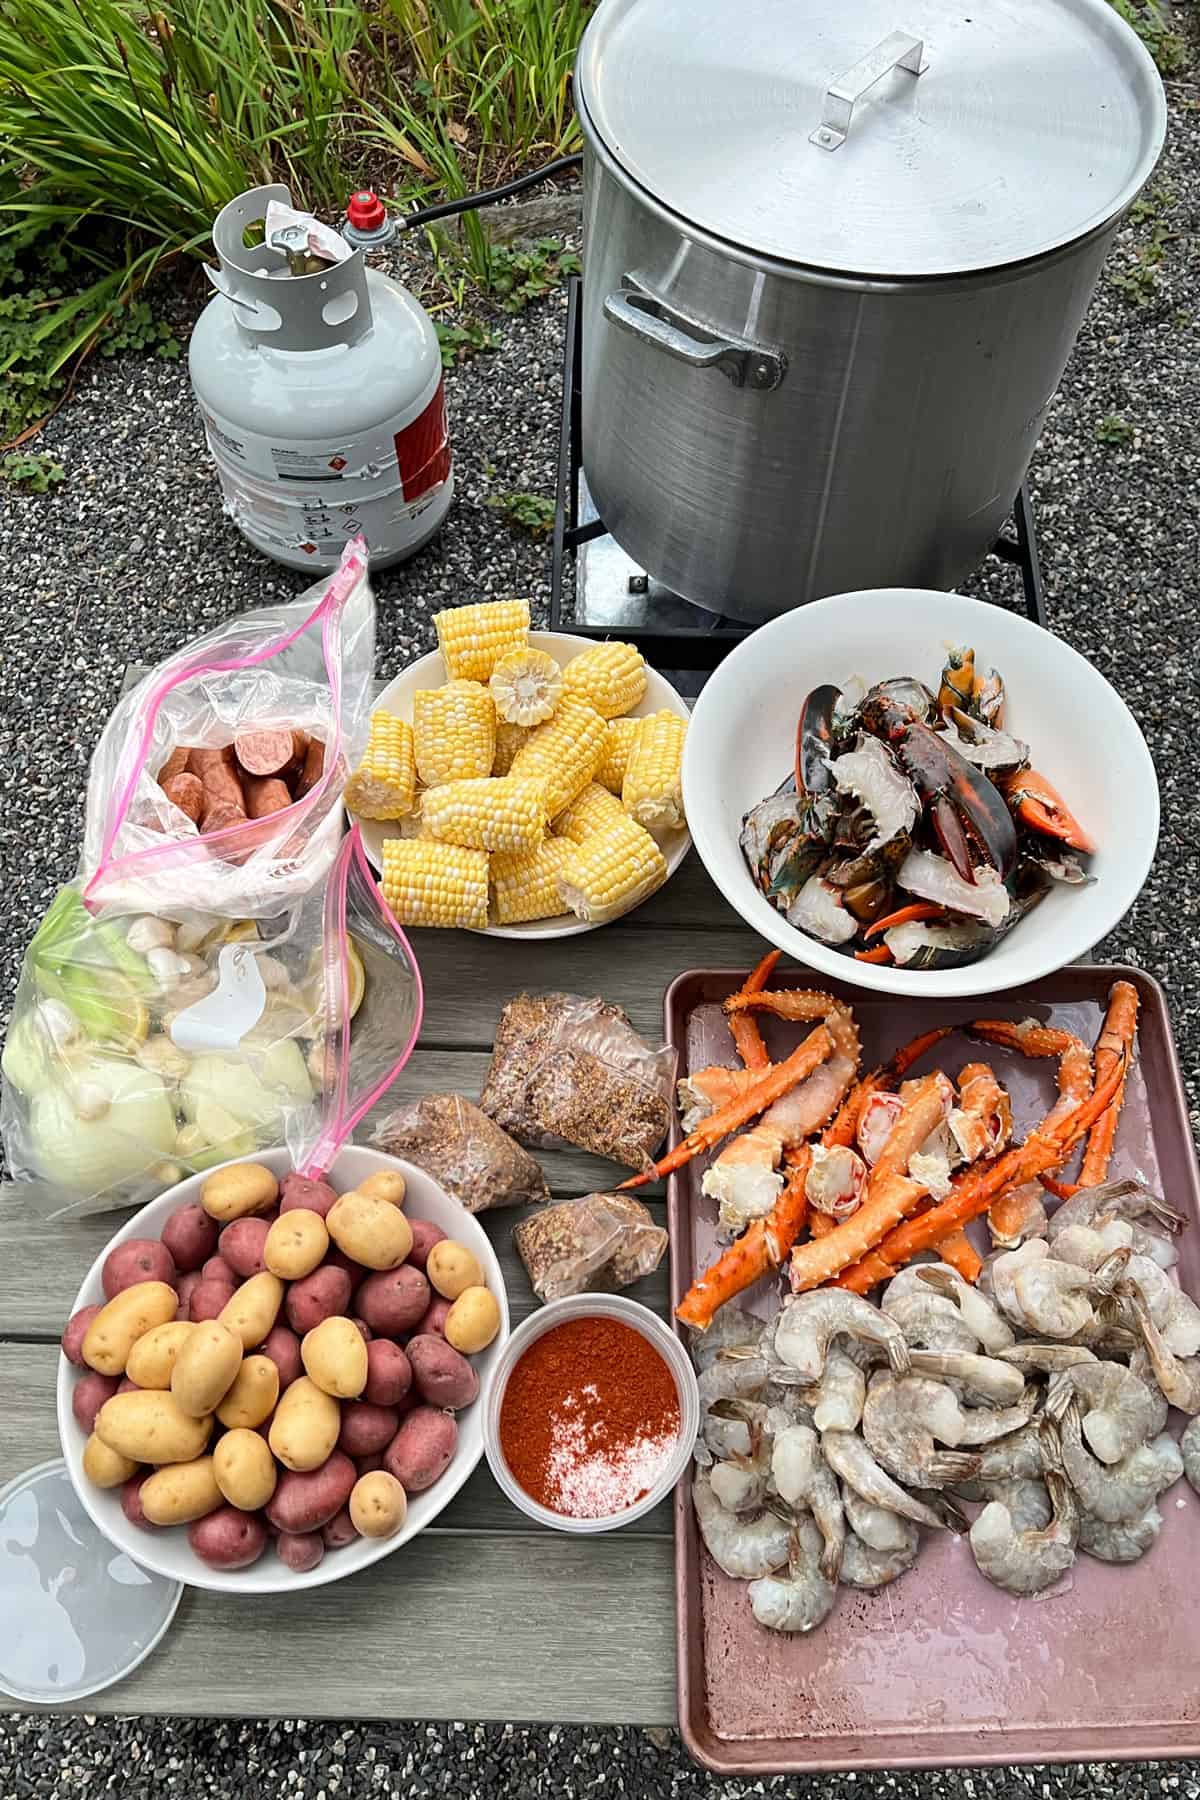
(268, 1575)
(1123, 884)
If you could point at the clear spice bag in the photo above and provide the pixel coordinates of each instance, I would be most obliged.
(600, 1243)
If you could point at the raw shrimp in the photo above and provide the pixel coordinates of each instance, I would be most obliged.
(849, 1457)
(1177, 1376)
(802, 1477)
(1041, 1294)
(1046, 1359)
(865, 1567)
(1029, 1561)
(930, 1322)
(1116, 1491)
(1117, 1410)
(744, 1548)
(901, 1419)
(800, 1599)
(1027, 1500)
(808, 1324)
(1174, 1312)
(877, 1526)
(1123, 1542)
(1087, 1247)
(1189, 1446)
(733, 1428)
(985, 1319)
(731, 1326)
(1129, 1200)
(1017, 1215)
(837, 1400)
(984, 1425)
(733, 1378)
(994, 1382)
(1017, 1457)
(740, 1484)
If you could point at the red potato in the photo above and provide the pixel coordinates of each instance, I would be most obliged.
(366, 1429)
(131, 1501)
(187, 793)
(270, 795)
(319, 1296)
(389, 1373)
(299, 1550)
(138, 1259)
(268, 751)
(367, 1465)
(128, 1387)
(425, 1234)
(190, 1236)
(283, 1348)
(228, 1538)
(209, 1300)
(434, 1322)
(422, 1449)
(242, 1245)
(339, 1531)
(74, 1333)
(337, 1259)
(392, 1300)
(301, 1191)
(441, 1374)
(367, 1333)
(217, 1269)
(185, 1287)
(88, 1396)
(306, 1500)
(176, 763)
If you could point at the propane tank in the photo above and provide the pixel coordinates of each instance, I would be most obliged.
(322, 399)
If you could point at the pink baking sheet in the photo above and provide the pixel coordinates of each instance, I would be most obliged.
(941, 1667)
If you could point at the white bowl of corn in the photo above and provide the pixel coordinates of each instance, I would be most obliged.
(523, 783)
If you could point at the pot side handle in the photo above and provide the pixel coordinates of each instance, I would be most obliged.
(652, 321)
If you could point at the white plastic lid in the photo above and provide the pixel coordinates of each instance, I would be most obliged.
(80, 1614)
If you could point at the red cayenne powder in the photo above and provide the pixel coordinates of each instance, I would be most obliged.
(589, 1417)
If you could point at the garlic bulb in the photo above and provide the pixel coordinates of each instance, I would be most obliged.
(194, 931)
(163, 1057)
(90, 1100)
(60, 1025)
(149, 933)
(168, 967)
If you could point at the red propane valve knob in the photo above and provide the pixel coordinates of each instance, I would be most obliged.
(365, 210)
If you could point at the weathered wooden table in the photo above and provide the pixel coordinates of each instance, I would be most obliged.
(485, 1615)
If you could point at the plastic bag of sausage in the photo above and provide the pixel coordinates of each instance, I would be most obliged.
(216, 786)
(143, 1049)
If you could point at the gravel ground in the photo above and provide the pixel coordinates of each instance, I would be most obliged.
(132, 557)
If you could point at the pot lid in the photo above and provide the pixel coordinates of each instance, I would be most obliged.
(805, 132)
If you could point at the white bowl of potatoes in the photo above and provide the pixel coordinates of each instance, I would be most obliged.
(327, 1443)
(432, 672)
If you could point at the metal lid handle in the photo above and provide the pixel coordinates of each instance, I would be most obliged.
(897, 51)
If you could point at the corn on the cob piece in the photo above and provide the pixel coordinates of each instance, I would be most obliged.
(384, 783)
(563, 753)
(525, 885)
(526, 686)
(428, 883)
(509, 739)
(504, 813)
(592, 811)
(652, 792)
(611, 677)
(454, 732)
(612, 871)
(473, 638)
(618, 741)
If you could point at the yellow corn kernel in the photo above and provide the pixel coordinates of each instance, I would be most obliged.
(509, 739)
(652, 792)
(525, 686)
(618, 741)
(428, 883)
(611, 677)
(563, 753)
(611, 872)
(525, 886)
(507, 813)
(594, 810)
(473, 638)
(454, 732)
(384, 784)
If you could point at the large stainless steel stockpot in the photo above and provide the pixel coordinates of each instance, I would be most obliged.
(833, 271)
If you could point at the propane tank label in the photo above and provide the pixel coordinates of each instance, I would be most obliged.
(423, 449)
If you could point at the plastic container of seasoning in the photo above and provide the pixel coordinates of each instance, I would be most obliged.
(643, 1469)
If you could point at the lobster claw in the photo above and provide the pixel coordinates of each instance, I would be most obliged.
(1039, 805)
(969, 812)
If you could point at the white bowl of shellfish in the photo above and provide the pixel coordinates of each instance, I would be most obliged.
(1004, 872)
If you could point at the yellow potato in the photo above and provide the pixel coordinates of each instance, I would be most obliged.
(252, 1397)
(295, 1244)
(334, 1354)
(473, 1320)
(151, 1428)
(254, 1308)
(206, 1367)
(306, 1425)
(153, 1356)
(237, 1191)
(385, 1184)
(244, 1469)
(128, 1316)
(371, 1231)
(104, 1467)
(378, 1505)
(451, 1267)
(181, 1492)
